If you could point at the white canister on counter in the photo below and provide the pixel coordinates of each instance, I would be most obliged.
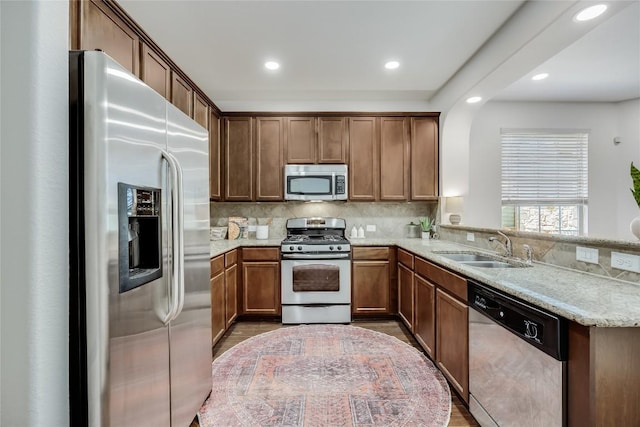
(262, 232)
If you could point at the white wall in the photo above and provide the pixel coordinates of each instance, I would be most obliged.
(611, 206)
(34, 259)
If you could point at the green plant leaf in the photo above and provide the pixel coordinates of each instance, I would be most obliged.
(635, 176)
(426, 223)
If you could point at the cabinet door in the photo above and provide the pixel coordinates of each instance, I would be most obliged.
(332, 140)
(215, 158)
(181, 94)
(452, 341)
(269, 159)
(394, 158)
(231, 294)
(424, 158)
(155, 72)
(301, 140)
(424, 326)
(363, 158)
(238, 154)
(405, 295)
(102, 29)
(370, 287)
(200, 111)
(261, 287)
(218, 323)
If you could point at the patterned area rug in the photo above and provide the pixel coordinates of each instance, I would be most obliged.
(325, 375)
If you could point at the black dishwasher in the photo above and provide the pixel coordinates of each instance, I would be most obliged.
(517, 361)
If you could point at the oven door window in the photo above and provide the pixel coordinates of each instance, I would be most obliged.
(313, 185)
(316, 278)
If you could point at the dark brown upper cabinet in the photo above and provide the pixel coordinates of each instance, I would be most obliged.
(155, 72)
(101, 28)
(424, 158)
(316, 140)
(269, 159)
(181, 94)
(238, 155)
(394, 158)
(363, 158)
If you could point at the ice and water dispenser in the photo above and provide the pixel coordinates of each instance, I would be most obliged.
(139, 235)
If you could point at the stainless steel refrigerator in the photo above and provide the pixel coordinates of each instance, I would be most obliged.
(140, 316)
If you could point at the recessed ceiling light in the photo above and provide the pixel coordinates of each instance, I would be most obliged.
(540, 76)
(271, 65)
(391, 65)
(590, 12)
(474, 99)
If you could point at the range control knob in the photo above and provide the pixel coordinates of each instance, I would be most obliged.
(339, 248)
(291, 248)
(299, 248)
(330, 248)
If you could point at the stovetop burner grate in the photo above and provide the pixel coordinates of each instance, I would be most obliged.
(320, 239)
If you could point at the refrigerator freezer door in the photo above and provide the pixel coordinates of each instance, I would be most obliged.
(127, 342)
(190, 332)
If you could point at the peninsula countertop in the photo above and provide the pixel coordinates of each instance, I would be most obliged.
(585, 298)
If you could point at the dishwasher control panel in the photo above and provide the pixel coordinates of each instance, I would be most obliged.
(539, 327)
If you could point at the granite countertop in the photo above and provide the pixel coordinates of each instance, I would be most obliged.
(585, 298)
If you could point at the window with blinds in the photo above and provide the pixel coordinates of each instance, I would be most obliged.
(545, 180)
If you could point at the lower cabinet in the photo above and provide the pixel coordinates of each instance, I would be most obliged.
(231, 286)
(433, 305)
(452, 341)
(224, 293)
(424, 326)
(371, 276)
(405, 288)
(261, 281)
(218, 322)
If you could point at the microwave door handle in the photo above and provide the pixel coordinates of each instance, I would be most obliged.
(174, 283)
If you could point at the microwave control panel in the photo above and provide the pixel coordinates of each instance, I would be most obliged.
(340, 185)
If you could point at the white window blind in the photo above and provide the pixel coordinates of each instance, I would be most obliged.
(544, 166)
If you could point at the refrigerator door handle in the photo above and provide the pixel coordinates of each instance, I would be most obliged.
(176, 248)
(180, 232)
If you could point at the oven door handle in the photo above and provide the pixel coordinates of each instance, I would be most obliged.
(315, 256)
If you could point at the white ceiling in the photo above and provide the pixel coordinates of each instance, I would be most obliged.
(602, 66)
(332, 52)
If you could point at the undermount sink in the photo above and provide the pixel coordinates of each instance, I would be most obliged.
(490, 264)
(466, 257)
(480, 260)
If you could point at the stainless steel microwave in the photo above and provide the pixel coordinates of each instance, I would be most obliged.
(315, 182)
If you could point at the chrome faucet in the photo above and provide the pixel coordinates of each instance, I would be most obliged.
(506, 245)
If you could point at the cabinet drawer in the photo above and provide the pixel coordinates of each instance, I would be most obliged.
(370, 253)
(217, 265)
(405, 258)
(230, 258)
(453, 283)
(260, 254)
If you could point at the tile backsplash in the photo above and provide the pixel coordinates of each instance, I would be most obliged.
(389, 218)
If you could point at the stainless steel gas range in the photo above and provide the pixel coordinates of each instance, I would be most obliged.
(316, 271)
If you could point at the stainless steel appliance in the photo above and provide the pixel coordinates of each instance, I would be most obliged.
(315, 182)
(517, 361)
(140, 335)
(316, 271)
